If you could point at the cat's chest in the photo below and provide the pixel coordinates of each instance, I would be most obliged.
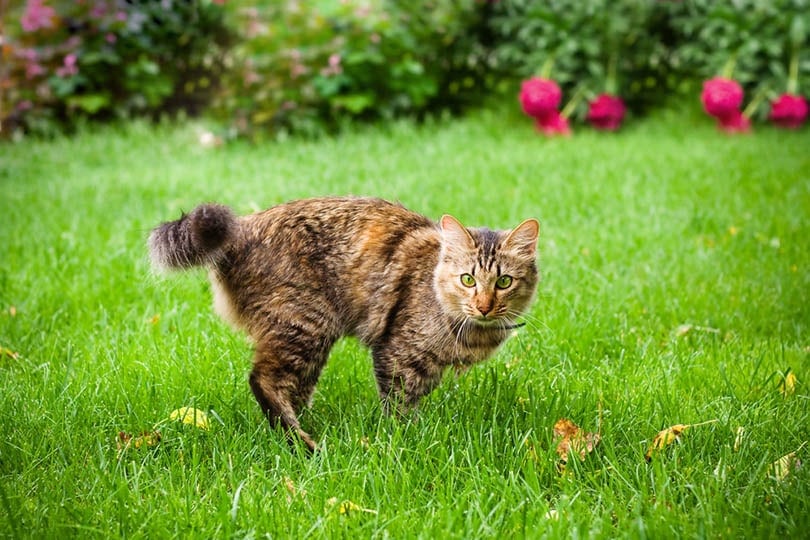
(468, 346)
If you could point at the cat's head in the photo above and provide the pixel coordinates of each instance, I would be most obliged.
(487, 276)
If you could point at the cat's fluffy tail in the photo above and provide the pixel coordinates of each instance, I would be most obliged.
(196, 239)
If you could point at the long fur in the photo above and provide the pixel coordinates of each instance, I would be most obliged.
(299, 276)
(197, 238)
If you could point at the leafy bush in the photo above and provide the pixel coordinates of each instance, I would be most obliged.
(589, 48)
(77, 59)
(762, 45)
(307, 68)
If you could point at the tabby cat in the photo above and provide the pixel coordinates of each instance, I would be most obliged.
(422, 296)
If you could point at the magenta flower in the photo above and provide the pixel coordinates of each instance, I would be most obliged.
(789, 111)
(722, 97)
(735, 122)
(540, 97)
(606, 112)
(37, 15)
(552, 124)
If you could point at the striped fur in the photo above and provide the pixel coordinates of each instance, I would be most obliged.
(299, 276)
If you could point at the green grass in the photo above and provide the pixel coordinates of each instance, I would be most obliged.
(667, 223)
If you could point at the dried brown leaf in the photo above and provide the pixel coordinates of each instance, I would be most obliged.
(571, 438)
(6, 352)
(672, 434)
(685, 329)
(738, 439)
(146, 439)
(787, 384)
(292, 490)
(785, 465)
(346, 507)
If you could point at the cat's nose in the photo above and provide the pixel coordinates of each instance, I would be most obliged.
(484, 308)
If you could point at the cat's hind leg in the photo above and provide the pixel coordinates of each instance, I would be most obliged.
(285, 369)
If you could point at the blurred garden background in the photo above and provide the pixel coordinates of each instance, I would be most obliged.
(269, 69)
(663, 146)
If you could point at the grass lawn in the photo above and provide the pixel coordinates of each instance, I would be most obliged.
(675, 290)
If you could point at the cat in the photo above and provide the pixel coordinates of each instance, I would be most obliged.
(423, 296)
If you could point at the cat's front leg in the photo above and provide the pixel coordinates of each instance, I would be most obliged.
(404, 378)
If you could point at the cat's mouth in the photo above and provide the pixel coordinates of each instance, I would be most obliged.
(495, 324)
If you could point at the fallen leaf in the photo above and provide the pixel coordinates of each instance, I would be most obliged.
(570, 438)
(685, 329)
(787, 385)
(191, 416)
(147, 439)
(738, 439)
(670, 435)
(4, 351)
(12, 311)
(721, 470)
(785, 465)
(209, 140)
(346, 507)
(364, 442)
(292, 490)
(154, 319)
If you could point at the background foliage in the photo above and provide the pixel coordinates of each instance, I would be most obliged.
(307, 66)
(71, 60)
(310, 67)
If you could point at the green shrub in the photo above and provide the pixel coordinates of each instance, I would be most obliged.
(761, 44)
(69, 60)
(617, 47)
(307, 68)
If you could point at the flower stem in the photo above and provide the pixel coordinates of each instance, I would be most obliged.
(793, 71)
(573, 102)
(753, 105)
(728, 68)
(548, 65)
(611, 86)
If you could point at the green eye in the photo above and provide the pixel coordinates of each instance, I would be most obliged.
(467, 280)
(504, 282)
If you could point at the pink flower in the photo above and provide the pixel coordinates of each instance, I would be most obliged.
(722, 97)
(98, 11)
(735, 122)
(33, 70)
(334, 66)
(110, 38)
(606, 112)
(552, 124)
(540, 97)
(789, 111)
(37, 15)
(69, 66)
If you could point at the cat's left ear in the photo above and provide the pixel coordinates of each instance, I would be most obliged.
(455, 233)
(523, 238)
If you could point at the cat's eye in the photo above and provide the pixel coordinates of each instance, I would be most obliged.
(504, 282)
(467, 280)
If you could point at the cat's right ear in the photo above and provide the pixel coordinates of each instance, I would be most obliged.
(523, 238)
(455, 233)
